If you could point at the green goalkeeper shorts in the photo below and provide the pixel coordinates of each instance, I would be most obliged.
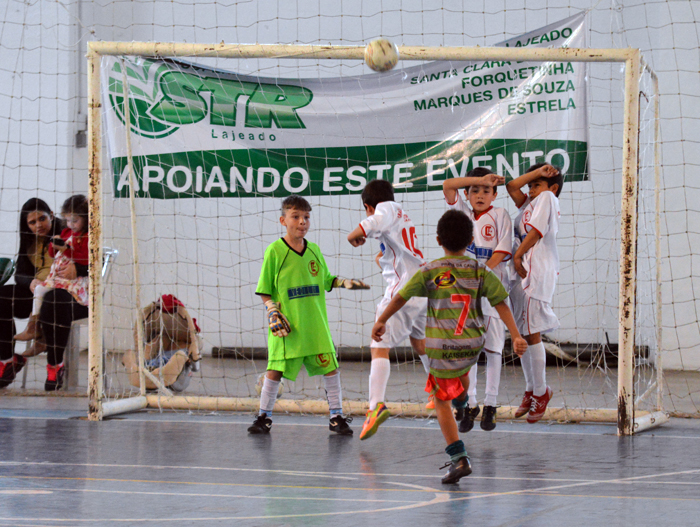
(315, 365)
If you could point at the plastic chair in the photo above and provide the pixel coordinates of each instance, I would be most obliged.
(71, 355)
(7, 269)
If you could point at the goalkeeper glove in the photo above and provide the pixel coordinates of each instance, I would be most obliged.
(279, 325)
(349, 283)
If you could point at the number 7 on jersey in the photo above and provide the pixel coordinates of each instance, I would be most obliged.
(466, 300)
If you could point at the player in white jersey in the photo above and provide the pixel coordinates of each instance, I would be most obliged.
(492, 246)
(400, 260)
(536, 269)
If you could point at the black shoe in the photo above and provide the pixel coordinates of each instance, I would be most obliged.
(54, 378)
(339, 425)
(467, 422)
(459, 414)
(261, 425)
(457, 470)
(488, 418)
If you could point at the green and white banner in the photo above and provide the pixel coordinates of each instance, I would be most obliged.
(203, 132)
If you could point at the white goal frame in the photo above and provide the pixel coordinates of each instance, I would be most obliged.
(627, 422)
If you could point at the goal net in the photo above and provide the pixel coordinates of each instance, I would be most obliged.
(194, 146)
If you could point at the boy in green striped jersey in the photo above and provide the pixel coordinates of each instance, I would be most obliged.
(454, 331)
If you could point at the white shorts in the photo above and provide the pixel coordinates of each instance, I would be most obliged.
(408, 321)
(495, 337)
(532, 315)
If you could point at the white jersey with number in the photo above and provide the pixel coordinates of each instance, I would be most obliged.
(396, 233)
(493, 233)
(542, 261)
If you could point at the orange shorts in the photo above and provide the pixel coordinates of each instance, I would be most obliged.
(444, 389)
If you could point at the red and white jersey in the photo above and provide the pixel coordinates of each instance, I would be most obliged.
(396, 233)
(493, 233)
(542, 261)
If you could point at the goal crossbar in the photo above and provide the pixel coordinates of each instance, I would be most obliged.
(628, 222)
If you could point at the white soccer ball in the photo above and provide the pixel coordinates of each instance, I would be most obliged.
(381, 55)
(259, 385)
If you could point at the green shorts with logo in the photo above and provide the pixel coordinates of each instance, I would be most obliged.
(315, 365)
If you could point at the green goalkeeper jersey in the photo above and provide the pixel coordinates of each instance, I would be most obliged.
(298, 281)
(454, 329)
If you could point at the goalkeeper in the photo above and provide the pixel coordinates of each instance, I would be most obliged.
(293, 283)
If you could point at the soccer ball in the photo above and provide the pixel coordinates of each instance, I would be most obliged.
(381, 55)
(261, 380)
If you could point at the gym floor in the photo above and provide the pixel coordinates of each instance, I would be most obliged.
(180, 468)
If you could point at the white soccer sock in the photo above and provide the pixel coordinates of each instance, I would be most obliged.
(471, 392)
(378, 379)
(268, 396)
(526, 363)
(538, 357)
(426, 362)
(334, 393)
(493, 377)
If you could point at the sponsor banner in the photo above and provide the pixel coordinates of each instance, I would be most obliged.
(204, 132)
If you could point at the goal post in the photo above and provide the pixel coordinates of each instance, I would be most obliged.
(628, 422)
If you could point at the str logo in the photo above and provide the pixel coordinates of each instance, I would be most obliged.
(313, 268)
(444, 280)
(164, 96)
(488, 232)
(526, 217)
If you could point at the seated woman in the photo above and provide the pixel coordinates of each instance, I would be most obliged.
(59, 309)
(37, 225)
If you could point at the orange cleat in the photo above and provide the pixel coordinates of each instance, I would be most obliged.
(374, 419)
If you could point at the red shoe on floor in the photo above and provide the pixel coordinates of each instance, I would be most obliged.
(7, 374)
(10, 369)
(539, 405)
(54, 378)
(524, 405)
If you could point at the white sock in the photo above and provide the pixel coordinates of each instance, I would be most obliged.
(39, 294)
(526, 363)
(471, 392)
(334, 394)
(426, 362)
(538, 357)
(378, 379)
(493, 377)
(268, 396)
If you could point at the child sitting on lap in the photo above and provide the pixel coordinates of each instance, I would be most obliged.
(455, 327)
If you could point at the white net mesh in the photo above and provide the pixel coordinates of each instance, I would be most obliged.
(208, 250)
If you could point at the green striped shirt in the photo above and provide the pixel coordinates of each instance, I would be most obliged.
(454, 330)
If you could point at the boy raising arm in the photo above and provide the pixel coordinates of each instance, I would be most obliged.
(454, 330)
(536, 266)
(492, 246)
(293, 284)
(400, 259)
